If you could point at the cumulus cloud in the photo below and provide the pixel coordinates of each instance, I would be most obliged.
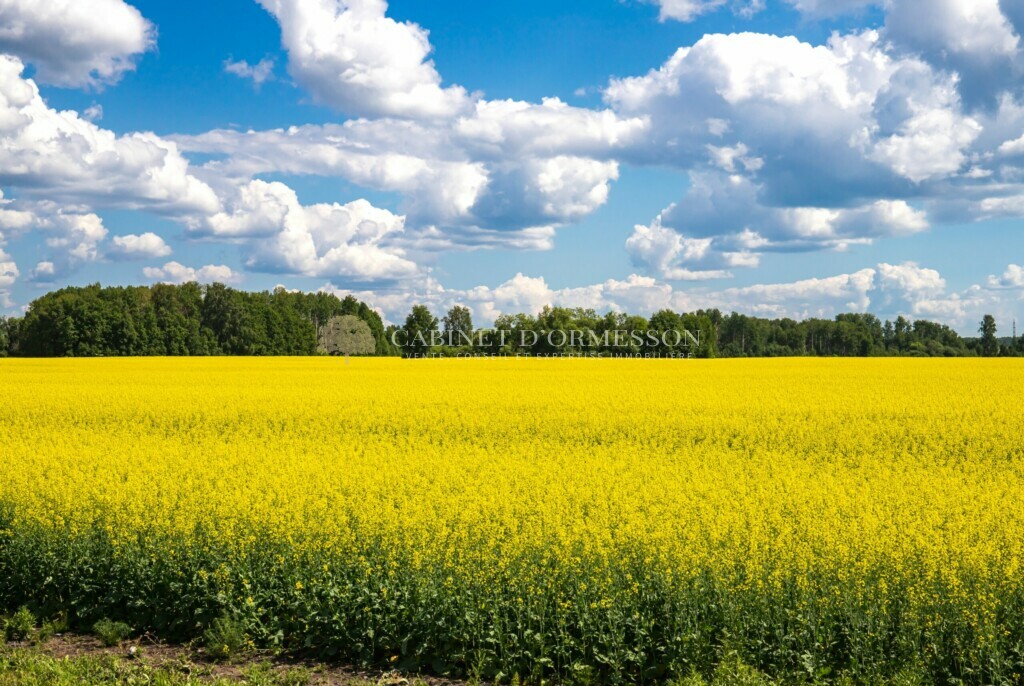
(8, 270)
(379, 156)
(506, 166)
(970, 37)
(689, 10)
(789, 146)
(75, 43)
(722, 224)
(522, 293)
(793, 146)
(636, 294)
(976, 39)
(72, 237)
(801, 299)
(731, 208)
(919, 292)
(831, 8)
(44, 272)
(349, 55)
(75, 237)
(664, 252)
(175, 272)
(64, 166)
(686, 10)
(890, 290)
(93, 113)
(60, 156)
(834, 122)
(910, 283)
(1012, 278)
(258, 73)
(135, 247)
(552, 127)
(13, 218)
(344, 242)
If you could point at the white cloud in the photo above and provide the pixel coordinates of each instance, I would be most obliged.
(1012, 147)
(551, 128)
(890, 290)
(1013, 277)
(8, 270)
(831, 8)
(392, 156)
(258, 73)
(72, 237)
(349, 55)
(973, 38)
(733, 159)
(58, 155)
(958, 27)
(352, 241)
(147, 245)
(805, 298)
(932, 141)
(507, 166)
(538, 192)
(792, 146)
(913, 282)
(962, 309)
(637, 295)
(526, 294)
(76, 237)
(175, 272)
(44, 272)
(689, 10)
(686, 10)
(840, 120)
(722, 224)
(664, 252)
(75, 42)
(431, 239)
(13, 219)
(93, 113)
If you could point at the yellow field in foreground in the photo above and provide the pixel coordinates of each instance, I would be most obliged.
(619, 520)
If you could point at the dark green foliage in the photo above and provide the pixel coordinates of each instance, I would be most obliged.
(989, 343)
(458, 325)
(191, 319)
(224, 638)
(19, 626)
(419, 331)
(111, 633)
(690, 630)
(714, 335)
(178, 320)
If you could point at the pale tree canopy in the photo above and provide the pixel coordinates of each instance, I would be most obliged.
(347, 335)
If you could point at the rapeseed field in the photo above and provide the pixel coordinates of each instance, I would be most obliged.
(591, 520)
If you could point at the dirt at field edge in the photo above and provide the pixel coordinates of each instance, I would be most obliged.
(149, 652)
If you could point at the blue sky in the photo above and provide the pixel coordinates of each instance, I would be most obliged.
(782, 158)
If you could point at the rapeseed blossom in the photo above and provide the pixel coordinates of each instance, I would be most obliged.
(626, 519)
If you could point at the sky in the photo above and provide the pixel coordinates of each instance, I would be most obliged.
(782, 158)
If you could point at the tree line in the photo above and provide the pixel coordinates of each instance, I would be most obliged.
(187, 319)
(717, 335)
(194, 319)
